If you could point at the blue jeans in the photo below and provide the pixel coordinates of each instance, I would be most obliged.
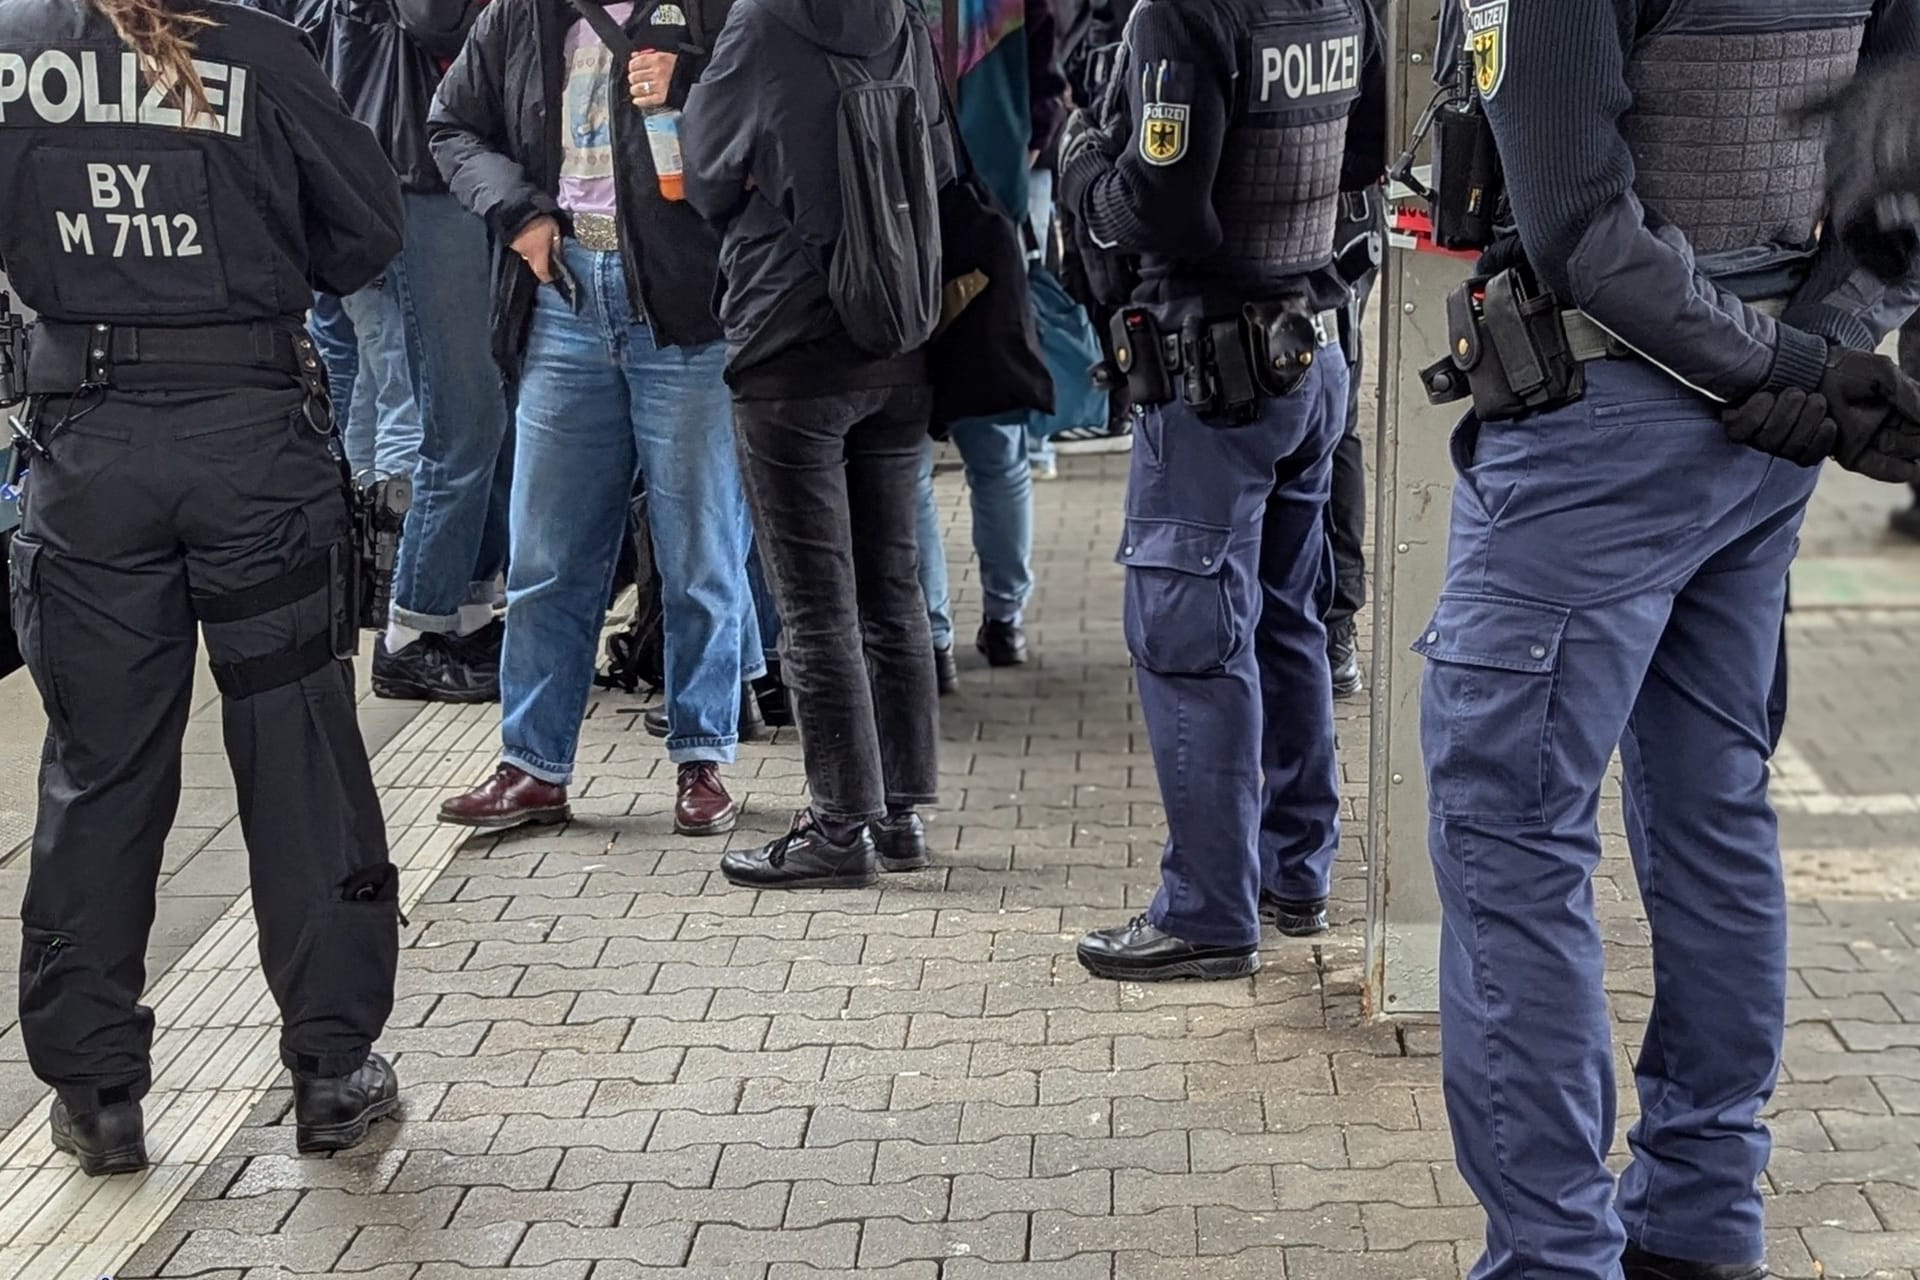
(1000, 485)
(455, 542)
(1661, 636)
(1040, 217)
(385, 437)
(598, 401)
(333, 333)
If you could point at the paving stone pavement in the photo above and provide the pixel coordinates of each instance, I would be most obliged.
(618, 1067)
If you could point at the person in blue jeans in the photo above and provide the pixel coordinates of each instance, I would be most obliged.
(619, 366)
(382, 435)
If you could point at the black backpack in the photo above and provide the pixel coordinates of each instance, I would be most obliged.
(884, 276)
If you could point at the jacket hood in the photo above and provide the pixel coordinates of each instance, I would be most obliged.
(851, 28)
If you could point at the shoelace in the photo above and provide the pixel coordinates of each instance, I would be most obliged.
(777, 851)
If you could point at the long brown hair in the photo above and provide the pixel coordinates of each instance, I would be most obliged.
(161, 36)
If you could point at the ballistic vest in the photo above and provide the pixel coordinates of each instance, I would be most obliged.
(1715, 85)
(1277, 191)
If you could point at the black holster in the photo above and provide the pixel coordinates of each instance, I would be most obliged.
(1509, 349)
(1281, 344)
(379, 513)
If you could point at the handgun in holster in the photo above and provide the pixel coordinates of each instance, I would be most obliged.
(379, 513)
(1508, 349)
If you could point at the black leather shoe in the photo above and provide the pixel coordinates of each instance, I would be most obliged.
(111, 1140)
(805, 859)
(1344, 661)
(480, 648)
(1294, 917)
(428, 670)
(656, 722)
(946, 670)
(1138, 952)
(770, 693)
(1641, 1265)
(1004, 643)
(333, 1113)
(901, 841)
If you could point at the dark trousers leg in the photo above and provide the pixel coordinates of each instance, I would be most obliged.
(795, 464)
(100, 605)
(324, 892)
(883, 474)
(1361, 214)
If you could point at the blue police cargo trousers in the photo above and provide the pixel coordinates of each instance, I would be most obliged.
(1227, 571)
(1616, 576)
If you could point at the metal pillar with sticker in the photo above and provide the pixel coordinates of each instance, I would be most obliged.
(177, 189)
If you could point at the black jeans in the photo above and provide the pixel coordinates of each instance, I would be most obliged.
(833, 482)
(1361, 213)
(147, 527)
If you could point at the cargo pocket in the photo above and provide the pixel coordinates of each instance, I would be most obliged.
(1179, 617)
(336, 986)
(24, 570)
(1487, 708)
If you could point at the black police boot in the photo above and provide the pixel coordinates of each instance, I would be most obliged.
(110, 1140)
(429, 670)
(656, 722)
(1641, 1265)
(901, 839)
(1343, 659)
(946, 670)
(1294, 918)
(1004, 643)
(776, 704)
(805, 858)
(1138, 952)
(333, 1113)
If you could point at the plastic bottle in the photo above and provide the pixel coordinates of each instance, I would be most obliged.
(663, 138)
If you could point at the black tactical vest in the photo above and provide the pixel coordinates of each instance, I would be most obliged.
(1278, 188)
(1714, 84)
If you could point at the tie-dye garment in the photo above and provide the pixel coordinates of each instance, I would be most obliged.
(983, 25)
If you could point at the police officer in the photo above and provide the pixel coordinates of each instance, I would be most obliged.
(1223, 174)
(1616, 576)
(180, 177)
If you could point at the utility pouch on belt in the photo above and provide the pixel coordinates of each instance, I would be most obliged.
(1143, 355)
(1509, 350)
(1282, 343)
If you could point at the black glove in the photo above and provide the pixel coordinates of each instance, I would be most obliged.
(1791, 424)
(1876, 412)
(1084, 156)
(1873, 166)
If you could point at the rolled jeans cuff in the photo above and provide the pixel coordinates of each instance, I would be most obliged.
(429, 623)
(703, 750)
(534, 767)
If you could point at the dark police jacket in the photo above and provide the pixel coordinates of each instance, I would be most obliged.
(1228, 186)
(1654, 167)
(495, 128)
(116, 213)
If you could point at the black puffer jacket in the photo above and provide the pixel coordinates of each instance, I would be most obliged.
(385, 57)
(495, 129)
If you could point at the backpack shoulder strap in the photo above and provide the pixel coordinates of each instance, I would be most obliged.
(611, 33)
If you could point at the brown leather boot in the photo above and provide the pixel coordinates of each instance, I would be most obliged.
(510, 798)
(703, 807)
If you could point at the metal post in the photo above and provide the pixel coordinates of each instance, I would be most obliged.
(1413, 484)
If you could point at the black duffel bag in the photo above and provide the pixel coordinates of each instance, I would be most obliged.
(985, 358)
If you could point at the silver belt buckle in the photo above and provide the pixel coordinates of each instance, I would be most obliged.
(596, 231)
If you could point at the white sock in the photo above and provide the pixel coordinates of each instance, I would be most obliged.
(473, 617)
(399, 637)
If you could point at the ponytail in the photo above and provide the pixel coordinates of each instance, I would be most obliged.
(161, 36)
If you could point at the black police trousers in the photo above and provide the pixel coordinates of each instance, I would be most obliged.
(1347, 512)
(150, 519)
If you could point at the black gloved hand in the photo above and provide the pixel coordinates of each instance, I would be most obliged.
(1873, 165)
(1791, 424)
(1876, 411)
(1084, 156)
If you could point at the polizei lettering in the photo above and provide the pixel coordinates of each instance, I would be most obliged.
(58, 87)
(1310, 70)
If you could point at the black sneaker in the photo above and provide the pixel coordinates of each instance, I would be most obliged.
(333, 1113)
(1638, 1264)
(901, 840)
(1296, 918)
(480, 648)
(1139, 952)
(805, 859)
(946, 670)
(1004, 643)
(752, 726)
(1343, 660)
(429, 671)
(111, 1140)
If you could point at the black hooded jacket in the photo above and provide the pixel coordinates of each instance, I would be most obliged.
(765, 116)
(495, 130)
(385, 56)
